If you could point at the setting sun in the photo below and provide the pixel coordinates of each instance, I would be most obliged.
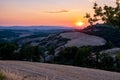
(79, 23)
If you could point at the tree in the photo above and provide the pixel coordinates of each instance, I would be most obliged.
(82, 57)
(118, 62)
(37, 53)
(7, 51)
(51, 51)
(30, 53)
(106, 61)
(67, 55)
(27, 52)
(41, 51)
(108, 14)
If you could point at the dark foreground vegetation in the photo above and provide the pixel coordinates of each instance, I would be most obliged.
(83, 56)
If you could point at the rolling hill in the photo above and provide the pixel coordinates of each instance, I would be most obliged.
(18, 70)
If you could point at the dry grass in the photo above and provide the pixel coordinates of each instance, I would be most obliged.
(20, 70)
(8, 75)
(80, 39)
(2, 76)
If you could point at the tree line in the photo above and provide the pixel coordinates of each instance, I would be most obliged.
(89, 57)
(83, 56)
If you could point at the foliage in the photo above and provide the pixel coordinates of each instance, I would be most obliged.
(7, 51)
(10, 51)
(118, 56)
(2, 76)
(106, 62)
(51, 50)
(30, 53)
(82, 56)
(118, 62)
(66, 56)
(107, 14)
(88, 57)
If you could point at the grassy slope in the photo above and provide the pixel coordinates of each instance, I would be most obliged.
(41, 71)
(80, 39)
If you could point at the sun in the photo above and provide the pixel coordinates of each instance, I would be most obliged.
(79, 23)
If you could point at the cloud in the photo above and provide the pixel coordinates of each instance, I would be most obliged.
(99, 0)
(112, 0)
(92, 0)
(61, 11)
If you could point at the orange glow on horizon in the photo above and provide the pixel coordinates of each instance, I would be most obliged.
(80, 24)
(45, 12)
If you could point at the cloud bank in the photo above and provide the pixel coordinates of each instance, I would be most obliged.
(60, 11)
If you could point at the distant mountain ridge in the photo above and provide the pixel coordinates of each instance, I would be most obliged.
(11, 33)
(35, 27)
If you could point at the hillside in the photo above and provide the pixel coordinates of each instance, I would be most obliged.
(80, 39)
(20, 33)
(68, 39)
(108, 32)
(41, 71)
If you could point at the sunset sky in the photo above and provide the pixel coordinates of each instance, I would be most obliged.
(46, 12)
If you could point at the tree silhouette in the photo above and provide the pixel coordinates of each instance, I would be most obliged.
(108, 14)
(107, 62)
(7, 51)
(82, 57)
(118, 62)
(30, 53)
